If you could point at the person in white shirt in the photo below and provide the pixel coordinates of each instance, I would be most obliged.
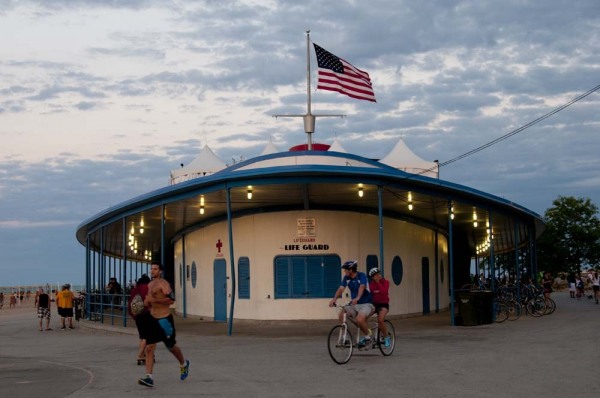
(595, 284)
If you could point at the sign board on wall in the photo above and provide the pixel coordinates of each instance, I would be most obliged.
(307, 227)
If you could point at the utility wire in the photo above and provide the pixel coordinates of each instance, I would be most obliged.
(514, 132)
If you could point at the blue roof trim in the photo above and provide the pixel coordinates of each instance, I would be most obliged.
(379, 174)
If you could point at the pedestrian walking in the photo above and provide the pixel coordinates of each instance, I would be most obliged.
(43, 308)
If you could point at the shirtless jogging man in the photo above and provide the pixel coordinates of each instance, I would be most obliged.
(160, 324)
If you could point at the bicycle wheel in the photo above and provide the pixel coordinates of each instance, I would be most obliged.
(391, 334)
(550, 306)
(501, 312)
(514, 311)
(340, 344)
(536, 306)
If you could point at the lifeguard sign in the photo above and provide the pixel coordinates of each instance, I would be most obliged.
(307, 227)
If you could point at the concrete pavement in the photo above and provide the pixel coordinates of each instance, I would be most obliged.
(552, 356)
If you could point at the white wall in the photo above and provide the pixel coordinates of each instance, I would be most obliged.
(262, 237)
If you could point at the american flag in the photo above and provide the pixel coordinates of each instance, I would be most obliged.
(335, 74)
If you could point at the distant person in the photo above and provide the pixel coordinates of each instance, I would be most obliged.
(595, 281)
(160, 325)
(547, 282)
(572, 282)
(115, 289)
(64, 302)
(13, 300)
(141, 320)
(1, 300)
(580, 286)
(37, 296)
(43, 308)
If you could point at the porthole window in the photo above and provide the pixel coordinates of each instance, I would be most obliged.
(194, 274)
(397, 270)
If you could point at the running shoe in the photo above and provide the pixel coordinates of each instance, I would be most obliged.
(146, 381)
(386, 342)
(185, 369)
(365, 341)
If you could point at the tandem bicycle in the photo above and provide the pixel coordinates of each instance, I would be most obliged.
(340, 342)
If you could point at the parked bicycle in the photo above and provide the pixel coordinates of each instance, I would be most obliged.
(340, 342)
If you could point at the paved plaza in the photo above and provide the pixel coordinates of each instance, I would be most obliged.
(553, 356)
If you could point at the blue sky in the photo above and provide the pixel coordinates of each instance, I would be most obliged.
(100, 99)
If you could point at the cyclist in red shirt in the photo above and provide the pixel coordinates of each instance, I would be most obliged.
(379, 287)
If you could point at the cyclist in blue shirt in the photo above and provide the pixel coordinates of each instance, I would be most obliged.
(360, 308)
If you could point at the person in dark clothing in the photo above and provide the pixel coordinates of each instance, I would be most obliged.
(115, 290)
(141, 320)
(43, 308)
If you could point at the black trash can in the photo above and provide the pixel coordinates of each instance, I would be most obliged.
(485, 307)
(467, 308)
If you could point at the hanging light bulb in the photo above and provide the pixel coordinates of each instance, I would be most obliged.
(142, 226)
(474, 219)
(249, 191)
(360, 190)
(410, 205)
(452, 212)
(201, 209)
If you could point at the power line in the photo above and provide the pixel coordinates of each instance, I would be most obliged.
(517, 131)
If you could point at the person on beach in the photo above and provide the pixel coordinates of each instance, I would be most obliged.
(580, 286)
(43, 308)
(572, 282)
(64, 302)
(1, 299)
(160, 325)
(595, 281)
(13, 300)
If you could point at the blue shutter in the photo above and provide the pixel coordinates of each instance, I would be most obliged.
(282, 277)
(314, 271)
(331, 275)
(244, 278)
(298, 277)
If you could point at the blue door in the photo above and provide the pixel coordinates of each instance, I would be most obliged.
(425, 283)
(220, 288)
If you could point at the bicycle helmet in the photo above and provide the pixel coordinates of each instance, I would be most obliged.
(374, 271)
(350, 265)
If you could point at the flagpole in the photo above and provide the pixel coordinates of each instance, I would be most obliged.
(308, 118)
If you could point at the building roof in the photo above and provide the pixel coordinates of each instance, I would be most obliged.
(307, 180)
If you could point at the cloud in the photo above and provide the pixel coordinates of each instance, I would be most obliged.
(100, 99)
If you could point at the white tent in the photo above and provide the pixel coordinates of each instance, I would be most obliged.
(269, 149)
(206, 163)
(402, 158)
(336, 146)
